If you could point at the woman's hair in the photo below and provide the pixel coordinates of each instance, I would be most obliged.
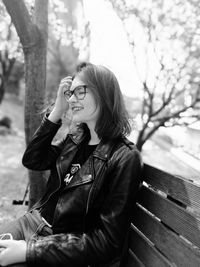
(113, 120)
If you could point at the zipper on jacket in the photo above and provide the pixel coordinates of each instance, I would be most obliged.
(57, 167)
(91, 189)
(53, 191)
(89, 195)
(87, 205)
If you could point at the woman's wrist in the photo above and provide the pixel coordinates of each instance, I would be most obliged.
(55, 116)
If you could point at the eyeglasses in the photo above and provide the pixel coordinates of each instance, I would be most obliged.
(79, 92)
(6, 236)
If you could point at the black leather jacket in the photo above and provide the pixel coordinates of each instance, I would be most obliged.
(93, 213)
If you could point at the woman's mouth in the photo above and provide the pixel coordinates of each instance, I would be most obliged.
(76, 108)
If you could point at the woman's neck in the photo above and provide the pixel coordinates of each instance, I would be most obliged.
(94, 139)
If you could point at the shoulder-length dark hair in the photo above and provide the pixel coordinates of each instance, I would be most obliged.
(113, 121)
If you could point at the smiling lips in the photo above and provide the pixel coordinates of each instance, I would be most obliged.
(76, 108)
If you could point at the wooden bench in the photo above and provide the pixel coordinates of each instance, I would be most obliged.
(165, 228)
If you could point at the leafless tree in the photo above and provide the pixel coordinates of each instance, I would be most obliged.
(32, 30)
(171, 95)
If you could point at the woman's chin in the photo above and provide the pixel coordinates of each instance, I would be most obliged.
(76, 119)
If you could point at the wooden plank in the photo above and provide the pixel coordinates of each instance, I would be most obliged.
(176, 217)
(170, 244)
(133, 260)
(146, 252)
(177, 187)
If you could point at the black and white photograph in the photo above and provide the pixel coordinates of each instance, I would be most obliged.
(100, 133)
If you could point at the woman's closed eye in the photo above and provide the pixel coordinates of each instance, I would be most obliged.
(79, 92)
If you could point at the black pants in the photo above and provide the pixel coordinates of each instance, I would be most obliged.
(25, 227)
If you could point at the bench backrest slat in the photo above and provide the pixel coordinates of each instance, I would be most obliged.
(168, 242)
(165, 227)
(179, 188)
(146, 252)
(133, 260)
(176, 217)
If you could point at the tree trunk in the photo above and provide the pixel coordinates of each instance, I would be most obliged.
(7, 65)
(33, 37)
(35, 78)
(2, 89)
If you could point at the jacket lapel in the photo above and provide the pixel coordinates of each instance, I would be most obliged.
(84, 175)
(92, 168)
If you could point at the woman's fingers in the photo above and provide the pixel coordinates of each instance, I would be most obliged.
(61, 104)
(4, 243)
(65, 84)
(13, 251)
(67, 80)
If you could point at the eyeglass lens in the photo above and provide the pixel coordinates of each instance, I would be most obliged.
(79, 92)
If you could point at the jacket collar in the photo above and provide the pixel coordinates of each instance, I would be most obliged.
(102, 151)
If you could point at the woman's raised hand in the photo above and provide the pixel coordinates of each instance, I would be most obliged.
(61, 105)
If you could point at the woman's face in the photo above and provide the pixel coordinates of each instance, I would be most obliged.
(82, 103)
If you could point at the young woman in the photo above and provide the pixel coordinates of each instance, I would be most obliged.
(83, 217)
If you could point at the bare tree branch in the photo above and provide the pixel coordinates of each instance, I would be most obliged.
(22, 21)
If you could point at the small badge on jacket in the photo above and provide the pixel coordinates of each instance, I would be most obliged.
(73, 169)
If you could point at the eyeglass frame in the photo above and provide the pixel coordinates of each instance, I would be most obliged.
(74, 92)
(6, 236)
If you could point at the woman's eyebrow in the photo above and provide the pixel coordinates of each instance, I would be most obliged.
(80, 85)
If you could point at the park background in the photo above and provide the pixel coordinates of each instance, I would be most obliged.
(153, 47)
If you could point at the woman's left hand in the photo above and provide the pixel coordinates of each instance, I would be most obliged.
(12, 251)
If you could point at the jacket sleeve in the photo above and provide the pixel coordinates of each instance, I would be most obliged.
(40, 154)
(104, 242)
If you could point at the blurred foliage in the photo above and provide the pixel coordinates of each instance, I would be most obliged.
(164, 36)
(10, 52)
(68, 43)
(69, 38)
